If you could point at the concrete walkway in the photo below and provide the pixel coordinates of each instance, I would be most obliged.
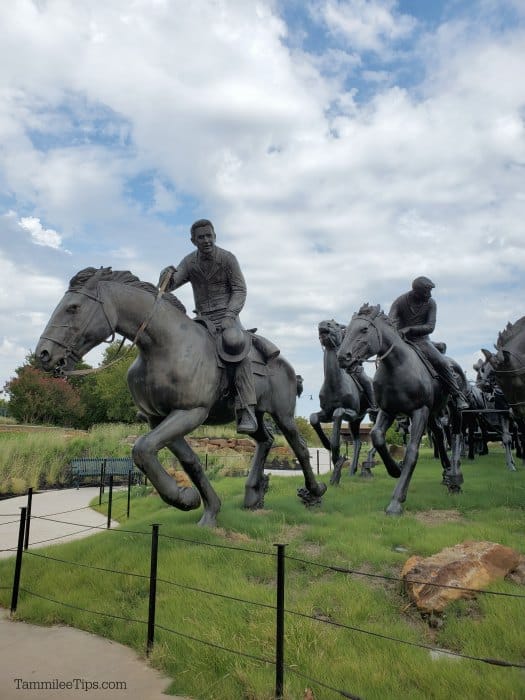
(63, 663)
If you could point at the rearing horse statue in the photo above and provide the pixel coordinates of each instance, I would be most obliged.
(176, 381)
(403, 385)
(341, 398)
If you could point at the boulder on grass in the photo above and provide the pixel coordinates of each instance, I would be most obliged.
(471, 565)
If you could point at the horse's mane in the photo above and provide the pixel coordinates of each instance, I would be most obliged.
(510, 332)
(106, 274)
(373, 312)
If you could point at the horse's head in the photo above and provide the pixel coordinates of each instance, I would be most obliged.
(362, 337)
(331, 334)
(79, 323)
(486, 371)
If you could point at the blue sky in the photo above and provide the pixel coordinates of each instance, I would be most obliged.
(341, 147)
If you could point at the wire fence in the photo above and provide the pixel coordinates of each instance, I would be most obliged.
(151, 581)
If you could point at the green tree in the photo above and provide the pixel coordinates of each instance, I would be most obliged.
(35, 397)
(109, 389)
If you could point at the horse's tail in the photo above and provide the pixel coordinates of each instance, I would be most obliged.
(299, 384)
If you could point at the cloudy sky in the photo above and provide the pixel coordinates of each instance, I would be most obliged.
(341, 147)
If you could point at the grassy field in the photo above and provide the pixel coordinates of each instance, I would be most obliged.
(348, 530)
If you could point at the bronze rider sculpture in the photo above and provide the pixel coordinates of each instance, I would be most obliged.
(219, 291)
(414, 315)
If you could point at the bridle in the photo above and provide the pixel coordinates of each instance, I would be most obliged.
(70, 351)
(69, 345)
(517, 370)
(379, 358)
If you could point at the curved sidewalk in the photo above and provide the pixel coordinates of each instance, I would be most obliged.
(63, 663)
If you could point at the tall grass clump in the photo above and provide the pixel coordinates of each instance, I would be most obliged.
(39, 459)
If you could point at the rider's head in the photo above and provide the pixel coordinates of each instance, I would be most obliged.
(203, 235)
(422, 287)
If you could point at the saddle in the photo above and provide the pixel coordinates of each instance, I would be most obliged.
(423, 358)
(259, 349)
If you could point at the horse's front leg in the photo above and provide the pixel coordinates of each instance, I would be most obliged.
(335, 449)
(506, 439)
(354, 427)
(455, 477)
(383, 422)
(315, 421)
(167, 433)
(419, 422)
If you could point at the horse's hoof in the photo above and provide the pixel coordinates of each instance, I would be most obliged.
(208, 520)
(253, 499)
(394, 509)
(308, 498)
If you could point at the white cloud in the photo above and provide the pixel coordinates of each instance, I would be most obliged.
(326, 200)
(367, 25)
(40, 235)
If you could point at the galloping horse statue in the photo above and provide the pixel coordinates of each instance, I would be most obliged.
(341, 398)
(402, 385)
(492, 414)
(176, 381)
(509, 365)
(490, 379)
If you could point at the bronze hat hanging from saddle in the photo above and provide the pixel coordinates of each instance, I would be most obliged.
(234, 344)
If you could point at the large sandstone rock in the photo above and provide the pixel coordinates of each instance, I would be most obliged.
(471, 565)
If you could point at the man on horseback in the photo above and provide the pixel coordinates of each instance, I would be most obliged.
(414, 315)
(219, 291)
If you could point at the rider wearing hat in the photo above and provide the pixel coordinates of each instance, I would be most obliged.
(414, 315)
(219, 291)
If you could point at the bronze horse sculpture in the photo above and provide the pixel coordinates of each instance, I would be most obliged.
(508, 364)
(341, 399)
(176, 381)
(403, 385)
(490, 413)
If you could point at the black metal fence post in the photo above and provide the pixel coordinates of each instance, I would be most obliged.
(101, 486)
(152, 587)
(18, 563)
(110, 500)
(279, 629)
(28, 516)
(206, 462)
(317, 461)
(129, 490)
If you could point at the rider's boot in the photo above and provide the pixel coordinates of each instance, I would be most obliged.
(246, 420)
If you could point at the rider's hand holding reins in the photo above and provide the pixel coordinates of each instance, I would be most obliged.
(166, 278)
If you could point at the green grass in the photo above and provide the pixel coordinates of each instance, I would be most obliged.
(349, 530)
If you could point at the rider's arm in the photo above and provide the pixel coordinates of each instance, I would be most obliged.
(425, 328)
(237, 287)
(178, 276)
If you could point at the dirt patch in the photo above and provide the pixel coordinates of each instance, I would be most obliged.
(438, 517)
(311, 550)
(232, 536)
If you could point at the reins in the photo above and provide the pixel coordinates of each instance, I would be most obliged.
(140, 330)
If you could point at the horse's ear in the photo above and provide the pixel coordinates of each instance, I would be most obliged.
(487, 354)
(342, 327)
